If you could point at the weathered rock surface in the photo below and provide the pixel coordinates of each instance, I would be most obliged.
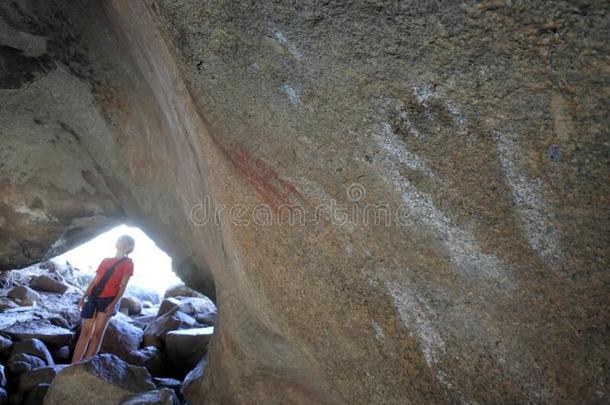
(104, 379)
(473, 133)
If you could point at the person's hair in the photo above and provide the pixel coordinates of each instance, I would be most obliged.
(130, 241)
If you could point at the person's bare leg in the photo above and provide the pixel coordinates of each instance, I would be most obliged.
(86, 333)
(101, 321)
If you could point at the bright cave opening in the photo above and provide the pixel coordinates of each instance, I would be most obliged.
(160, 324)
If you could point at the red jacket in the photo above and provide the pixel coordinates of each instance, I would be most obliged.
(113, 285)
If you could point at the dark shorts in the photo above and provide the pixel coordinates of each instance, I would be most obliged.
(98, 304)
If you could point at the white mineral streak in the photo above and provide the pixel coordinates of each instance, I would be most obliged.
(534, 215)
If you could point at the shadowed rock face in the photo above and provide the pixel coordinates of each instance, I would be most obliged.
(462, 147)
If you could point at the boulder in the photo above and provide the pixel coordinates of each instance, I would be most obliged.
(22, 362)
(2, 376)
(163, 382)
(150, 357)
(167, 305)
(181, 290)
(154, 333)
(193, 380)
(62, 354)
(186, 347)
(40, 329)
(36, 394)
(48, 284)
(34, 347)
(103, 379)
(7, 303)
(132, 305)
(44, 375)
(147, 304)
(121, 337)
(206, 319)
(23, 295)
(164, 396)
(59, 321)
(6, 345)
(3, 397)
(197, 305)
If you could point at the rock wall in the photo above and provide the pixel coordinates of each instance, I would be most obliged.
(444, 166)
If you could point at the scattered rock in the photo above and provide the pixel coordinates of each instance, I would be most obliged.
(208, 319)
(186, 347)
(164, 396)
(121, 337)
(25, 296)
(62, 354)
(40, 329)
(154, 333)
(197, 305)
(182, 290)
(103, 379)
(44, 375)
(46, 283)
(132, 304)
(193, 380)
(59, 321)
(35, 347)
(37, 394)
(2, 376)
(167, 383)
(7, 303)
(150, 357)
(147, 304)
(5, 345)
(167, 305)
(22, 362)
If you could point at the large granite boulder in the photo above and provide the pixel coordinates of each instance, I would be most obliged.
(389, 201)
(40, 329)
(103, 379)
(121, 336)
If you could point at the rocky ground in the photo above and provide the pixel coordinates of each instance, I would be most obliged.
(152, 351)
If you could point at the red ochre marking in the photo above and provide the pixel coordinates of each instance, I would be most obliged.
(265, 180)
